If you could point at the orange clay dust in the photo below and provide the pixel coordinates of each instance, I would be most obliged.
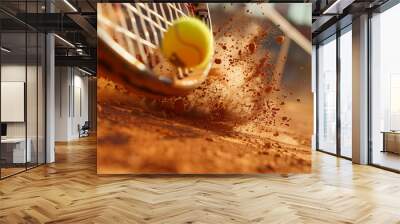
(235, 122)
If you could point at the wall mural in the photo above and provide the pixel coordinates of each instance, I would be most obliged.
(204, 88)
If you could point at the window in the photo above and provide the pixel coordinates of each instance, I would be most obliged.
(385, 89)
(327, 96)
(346, 75)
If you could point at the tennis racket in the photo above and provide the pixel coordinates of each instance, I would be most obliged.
(130, 36)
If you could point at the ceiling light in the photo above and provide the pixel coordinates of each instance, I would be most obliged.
(79, 51)
(84, 71)
(65, 41)
(337, 7)
(5, 50)
(70, 5)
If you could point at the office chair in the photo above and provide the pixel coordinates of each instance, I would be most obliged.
(84, 130)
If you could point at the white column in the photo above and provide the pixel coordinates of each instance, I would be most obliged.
(50, 92)
(360, 90)
(62, 103)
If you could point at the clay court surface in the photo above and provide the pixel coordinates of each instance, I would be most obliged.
(133, 139)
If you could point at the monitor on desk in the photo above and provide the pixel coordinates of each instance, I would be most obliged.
(3, 130)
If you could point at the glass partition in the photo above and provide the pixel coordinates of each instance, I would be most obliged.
(13, 105)
(22, 89)
(31, 99)
(41, 97)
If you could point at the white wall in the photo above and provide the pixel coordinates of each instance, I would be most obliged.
(62, 78)
(71, 94)
(80, 102)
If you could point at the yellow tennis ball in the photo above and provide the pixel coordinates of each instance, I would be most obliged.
(188, 42)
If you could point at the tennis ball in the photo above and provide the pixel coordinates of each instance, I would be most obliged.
(188, 43)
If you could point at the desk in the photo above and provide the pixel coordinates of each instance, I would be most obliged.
(391, 141)
(15, 148)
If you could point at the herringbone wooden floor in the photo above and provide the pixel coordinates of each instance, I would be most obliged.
(69, 191)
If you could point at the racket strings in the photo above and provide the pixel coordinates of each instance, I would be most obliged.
(138, 28)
